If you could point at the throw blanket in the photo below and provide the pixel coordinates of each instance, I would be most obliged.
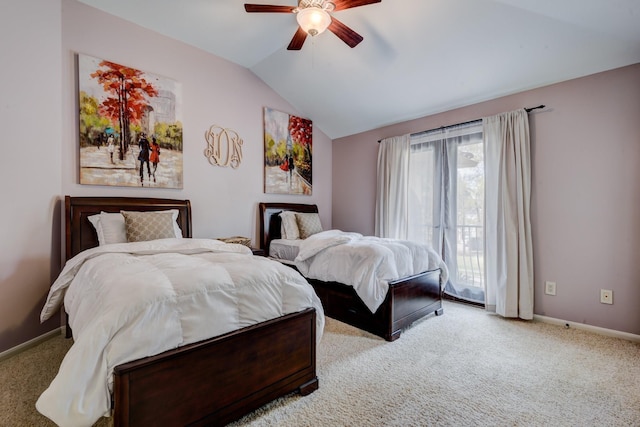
(366, 263)
(132, 300)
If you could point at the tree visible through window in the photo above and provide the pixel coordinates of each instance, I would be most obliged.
(446, 203)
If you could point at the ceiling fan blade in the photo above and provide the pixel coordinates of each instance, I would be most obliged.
(345, 33)
(348, 4)
(268, 8)
(298, 40)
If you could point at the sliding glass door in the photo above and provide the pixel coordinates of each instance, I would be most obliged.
(446, 203)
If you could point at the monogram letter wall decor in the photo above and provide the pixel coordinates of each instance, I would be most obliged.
(224, 147)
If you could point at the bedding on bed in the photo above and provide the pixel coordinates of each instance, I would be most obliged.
(284, 250)
(131, 300)
(365, 262)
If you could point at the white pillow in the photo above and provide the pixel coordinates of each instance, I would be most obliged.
(289, 229)
(110, 226)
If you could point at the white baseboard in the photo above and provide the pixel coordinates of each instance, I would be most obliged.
(31, 343)
(590, 328)
(545, 319)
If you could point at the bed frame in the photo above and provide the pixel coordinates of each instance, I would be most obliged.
(408, 299)
(212, 382)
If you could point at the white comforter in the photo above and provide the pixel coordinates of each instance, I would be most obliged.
(132, 300)
(366, 263)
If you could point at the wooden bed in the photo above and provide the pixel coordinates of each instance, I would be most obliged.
(212, 382)
(408, 299)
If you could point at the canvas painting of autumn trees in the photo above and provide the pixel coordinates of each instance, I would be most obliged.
(287, 153)
(130, 126)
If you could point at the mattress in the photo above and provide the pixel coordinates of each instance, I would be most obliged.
(284, 249)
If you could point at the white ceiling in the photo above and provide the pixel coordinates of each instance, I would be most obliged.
(418, 57)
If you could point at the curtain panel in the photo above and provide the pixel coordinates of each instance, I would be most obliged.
(508, 245)
(442, 203)
(391, 188)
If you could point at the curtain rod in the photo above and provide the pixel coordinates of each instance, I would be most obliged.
(528, 110)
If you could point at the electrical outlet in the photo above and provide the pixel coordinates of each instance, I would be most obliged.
(606, 296)
(550, 288)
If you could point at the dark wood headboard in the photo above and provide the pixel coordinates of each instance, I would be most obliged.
(270, 221)
(81, 235)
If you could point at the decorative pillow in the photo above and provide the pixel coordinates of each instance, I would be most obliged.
(110, 226)
(308, 224)
(289, 228)
(151, 225)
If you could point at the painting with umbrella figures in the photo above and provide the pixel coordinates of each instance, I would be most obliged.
(287, 153)
(130, 126)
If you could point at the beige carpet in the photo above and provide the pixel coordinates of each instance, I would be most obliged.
(466, 368)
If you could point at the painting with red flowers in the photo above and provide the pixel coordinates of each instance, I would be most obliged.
(287, 153)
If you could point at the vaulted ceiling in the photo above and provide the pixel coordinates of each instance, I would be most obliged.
(418, 57)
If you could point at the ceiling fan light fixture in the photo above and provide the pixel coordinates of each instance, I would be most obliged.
(313, 20)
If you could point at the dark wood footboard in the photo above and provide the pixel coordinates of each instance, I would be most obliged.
(219, 380)
(212, 382)
(408, 300)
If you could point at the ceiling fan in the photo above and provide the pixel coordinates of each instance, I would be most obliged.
(314, 17)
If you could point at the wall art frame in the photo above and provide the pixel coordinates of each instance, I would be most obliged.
(130, 126)
(288, 153)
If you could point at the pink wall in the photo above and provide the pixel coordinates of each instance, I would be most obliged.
(585, 149)
(215, 91)
(40, 142)
(29, 164)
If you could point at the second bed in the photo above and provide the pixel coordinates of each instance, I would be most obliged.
(408, 298)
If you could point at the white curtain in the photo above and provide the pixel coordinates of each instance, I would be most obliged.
(391, 193)
(446, 202)
(508, 246)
